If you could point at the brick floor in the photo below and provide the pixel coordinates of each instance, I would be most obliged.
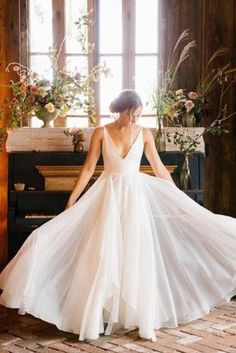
(213, 333)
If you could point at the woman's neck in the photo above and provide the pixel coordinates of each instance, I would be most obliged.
(123, 122)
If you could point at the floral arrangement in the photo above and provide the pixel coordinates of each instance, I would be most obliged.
(32, 95)
(175, 105)
(186, 104)
(76, 134)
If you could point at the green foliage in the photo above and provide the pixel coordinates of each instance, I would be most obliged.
(187, 142)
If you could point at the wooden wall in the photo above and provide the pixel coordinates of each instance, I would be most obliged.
(212, 23)
(9, 51)
(3, 157)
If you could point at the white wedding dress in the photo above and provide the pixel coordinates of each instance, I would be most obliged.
(134, 252)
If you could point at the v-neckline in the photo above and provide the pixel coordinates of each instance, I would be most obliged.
(114, 145)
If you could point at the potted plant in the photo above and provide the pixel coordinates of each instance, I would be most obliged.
(77, 138)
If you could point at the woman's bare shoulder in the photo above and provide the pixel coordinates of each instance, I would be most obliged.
(147, 133)
(111, 125)
(98, 132)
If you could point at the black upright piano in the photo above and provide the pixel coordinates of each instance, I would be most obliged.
(34, 206)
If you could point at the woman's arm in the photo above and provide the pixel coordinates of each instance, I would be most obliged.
(153, 157)
(88, 166)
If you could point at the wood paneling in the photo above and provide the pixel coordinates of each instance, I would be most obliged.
(9, 51)
(3, 157)
(212, 23)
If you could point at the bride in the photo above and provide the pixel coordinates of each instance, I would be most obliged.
(122, 134)
(133, 251)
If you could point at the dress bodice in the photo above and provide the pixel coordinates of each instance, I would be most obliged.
(113, 162)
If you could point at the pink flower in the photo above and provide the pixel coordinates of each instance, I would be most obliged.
(33, 89)
(13, 100)
(16, 68)
(11, 82)
(193, 95)
(32, 99)
(73, 130)
(189, 105)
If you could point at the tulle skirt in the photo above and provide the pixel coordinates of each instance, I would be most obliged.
(134, 251)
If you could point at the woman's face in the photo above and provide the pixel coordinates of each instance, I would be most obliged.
(135, 114)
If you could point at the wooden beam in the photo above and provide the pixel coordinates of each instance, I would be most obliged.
(128, 8)
(93, 56)
(58, 25)
(9, 51)
(4, 78)
(24, 35)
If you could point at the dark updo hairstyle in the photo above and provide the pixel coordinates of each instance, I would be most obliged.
(127, 99)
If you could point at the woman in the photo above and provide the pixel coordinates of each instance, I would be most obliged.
(123, 132)
(134, 251)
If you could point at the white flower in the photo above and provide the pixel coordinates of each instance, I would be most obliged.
(50, 107)
(179, 92)
(42, 91)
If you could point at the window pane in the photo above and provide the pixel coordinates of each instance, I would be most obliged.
(41, 64)
(76, 121)
(110, 26)
(104, 121)
(40, 25)
(77, 64)
(110, 86)
(73, 10)
(35, 122)
(146, 26)
(146, 80)
(70, 122)
(147, 121)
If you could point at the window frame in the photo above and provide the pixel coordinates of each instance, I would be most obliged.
(128, 38)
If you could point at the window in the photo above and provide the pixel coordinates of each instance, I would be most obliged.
(125, 34)
(40, 39)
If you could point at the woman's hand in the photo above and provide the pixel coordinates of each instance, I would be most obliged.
(153, 157)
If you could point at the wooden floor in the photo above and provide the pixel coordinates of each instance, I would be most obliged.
(213, 333)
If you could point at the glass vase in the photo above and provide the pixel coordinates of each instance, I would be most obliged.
(189, 120)
(185, 176)
(78, 147)
(60, 121)
(160, 140)
(24, 120)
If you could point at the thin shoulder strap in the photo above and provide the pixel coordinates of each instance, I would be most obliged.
(104, 135)
(141, 131)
